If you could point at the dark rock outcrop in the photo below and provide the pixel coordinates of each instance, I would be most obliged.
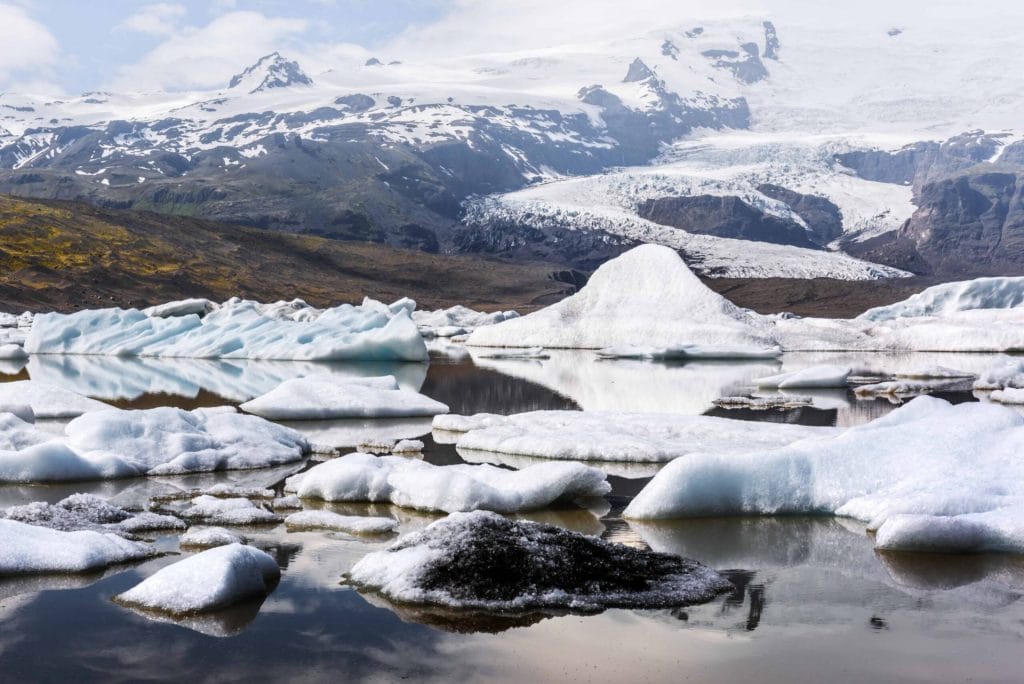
(726, 216)
(822, 217)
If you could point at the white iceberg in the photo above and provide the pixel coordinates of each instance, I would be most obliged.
(1007, 374)
(649, 298)
(646, 296)
(209, 537)
(353, 524)
(415, 484)
(182, 307)
(686, 352)
(823, 376)
(926, 458)
(483, 561)
(607, 436)
(46, 400)
(12, 352)
(238, 330)
(456, 320)
(997, 530)
(237, 511)
(163, 441)
(1010, 395)
(206, 581)
(323, 398)
(28, 549)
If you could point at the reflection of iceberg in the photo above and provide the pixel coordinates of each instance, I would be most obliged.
(624, 469)
(227, 622)
(110, 377)
(624, 385)
(329, 435)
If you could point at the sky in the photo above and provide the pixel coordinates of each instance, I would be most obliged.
(73, 46)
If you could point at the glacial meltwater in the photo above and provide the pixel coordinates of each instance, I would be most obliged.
(811, 598)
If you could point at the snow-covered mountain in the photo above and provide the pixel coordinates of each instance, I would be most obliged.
(756, 146)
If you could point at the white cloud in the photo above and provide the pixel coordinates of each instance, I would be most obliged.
(206, 57)
(29, 50)
(158, 19)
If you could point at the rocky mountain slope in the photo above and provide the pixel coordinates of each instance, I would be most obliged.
(759, 147)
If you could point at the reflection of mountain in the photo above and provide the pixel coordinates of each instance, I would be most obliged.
(472, 389)
(110, 377)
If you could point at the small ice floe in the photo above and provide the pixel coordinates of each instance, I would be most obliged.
(610, 436)
(207, 581)
(958, 466)
(209, 537)
(390, 446)
(685, 352)
(286, 503)
(900, 390)
(237, 329)
(457, 320)
(324, 397)
(484, 561)
(426, 487)
(28, 549)
(352, 524)
(48, 401)
(163, 441)
(1000, 530)
(822, 376)
(12, 352)
(227, 491)
(216, 511)
(89, 512)
(1010, 395)
(935, 373)
(407, 446)
(764, 402)
(1009, 374)
(183, 307)
(512, 354)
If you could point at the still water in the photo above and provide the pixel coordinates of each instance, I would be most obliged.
(813, 600)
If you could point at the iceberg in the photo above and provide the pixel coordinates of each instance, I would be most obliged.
(213, 510)
(324, 398)
(422, 486)
(353, 524)
(815, 377)
(206, 581)
(12, 352)
(996, 530)
(46, 400)
(608, 436)
(238, 329)
(114, 443)
(484, 561)
(209, 537)
(926, 458)
(457, 320)
(647, 298)
(28, 549)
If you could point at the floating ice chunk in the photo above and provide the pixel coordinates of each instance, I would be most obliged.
(813, 377)
(239, 330)
(76, 512)
(47, 401)
(150, 522)
(935, 373)
(423, 486)
(182, 307)
(319, 398)
(227, 491)
(606, 436)
(286, 503)
(407, 446)
(528, 353)
(31, 549)
(206, 581)
(456, 320)
(903, 389)
(484, 561)
(353, 524)
(12, 351)
(998, 530)
(927, 457)
(1010, 395)
(1007, 374)
(687, 352)
(949, 298)
(209, 537)
(18, 430)
(215, 511)
(646, 296)
(764, 403)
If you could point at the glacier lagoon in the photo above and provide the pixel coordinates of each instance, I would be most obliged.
(802, 584)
